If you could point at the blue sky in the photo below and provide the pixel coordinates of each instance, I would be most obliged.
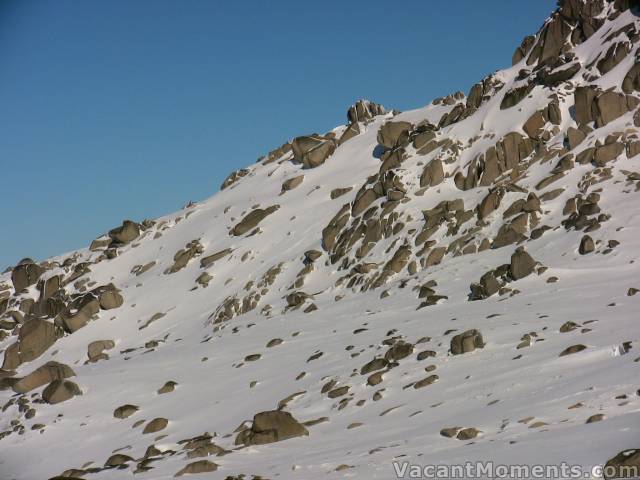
(119, 109)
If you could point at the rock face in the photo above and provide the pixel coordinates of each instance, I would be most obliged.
(312, 150)
(466, 342)
(269, 427)
(125, 233)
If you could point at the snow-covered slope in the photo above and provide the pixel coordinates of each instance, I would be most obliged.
(510, 214)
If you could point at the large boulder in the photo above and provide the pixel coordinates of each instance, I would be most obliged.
(34, 338)
(271, 426)
(79, 313)
(631, 82)
(394, 134)
(252, 219)
(60, 391)
(25, 274)
(433, 174)
(312, 150)
(95, 350)
(126, 233)
(43, 375)
(466, 342)
(626, 464)
(521, 264)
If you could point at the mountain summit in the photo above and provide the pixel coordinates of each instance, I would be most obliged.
(448, 284)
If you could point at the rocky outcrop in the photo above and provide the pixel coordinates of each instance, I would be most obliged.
(34, 338)
(593, 105)
(125, 233)
(364, 110)
(394, 134)
(25, 274)
(312, 150)
(269, 427)
(234, 177)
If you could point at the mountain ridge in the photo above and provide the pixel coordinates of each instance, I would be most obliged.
(446, 284)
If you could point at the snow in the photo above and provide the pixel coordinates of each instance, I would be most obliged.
(214, 393)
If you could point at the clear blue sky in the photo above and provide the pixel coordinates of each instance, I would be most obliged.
(129, 109)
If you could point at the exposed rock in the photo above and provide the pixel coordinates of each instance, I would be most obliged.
(25, 274)
(625, 464)
(602, 107)
(586, 245)
(338, 192)
(271, 426)
(234, 177)
(292, 183)
(95, 349)
(43, 375)
(184, 256)
(118, 459)
(155, 425)
(200, 466)
(110, 299)
(394, 134)
(433, 174)
(521, 264)
(77, 315)
(125, 411)
(352, 130)
(126, 233)
(34, 338)
(467, 433)
(466, 342)
(168, 387)
(211, 259)
(364, 110)
(572, 349)
(312, 150)
(60, 391)
(252, 219)
(398, 351)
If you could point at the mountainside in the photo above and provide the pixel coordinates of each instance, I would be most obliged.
(448, 284)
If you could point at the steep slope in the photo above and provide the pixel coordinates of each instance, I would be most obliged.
(448, 284)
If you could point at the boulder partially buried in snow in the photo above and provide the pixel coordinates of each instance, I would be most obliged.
(466, 342)
(252, 219)
(269, 427)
